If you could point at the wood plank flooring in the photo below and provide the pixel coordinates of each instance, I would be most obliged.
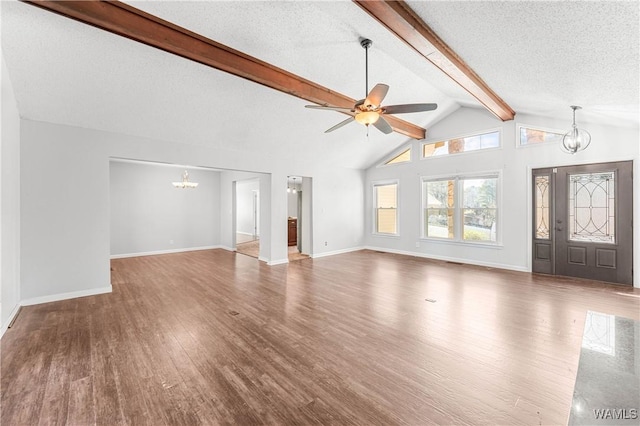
(214, 337)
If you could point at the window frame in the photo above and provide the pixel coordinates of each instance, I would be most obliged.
(458, 216)
(519, 126)
(497, 130)
(374, 210)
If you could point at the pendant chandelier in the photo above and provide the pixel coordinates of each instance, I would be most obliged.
(575, 139)
(185, 182)
(293, 189)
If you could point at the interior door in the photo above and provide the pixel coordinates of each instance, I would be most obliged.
(588, 229)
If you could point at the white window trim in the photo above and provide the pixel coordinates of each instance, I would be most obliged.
(477, 133)
(541, 128)
(374, 209)
(396, 153)
(457, 239)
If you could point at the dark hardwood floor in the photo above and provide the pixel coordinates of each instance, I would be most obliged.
(214, 337)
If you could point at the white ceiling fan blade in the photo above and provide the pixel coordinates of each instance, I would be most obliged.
(330, 108)
(382, 125)
(407, 108)
(340, 124)
(376, 95)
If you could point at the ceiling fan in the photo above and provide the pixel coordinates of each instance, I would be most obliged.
(369, 110)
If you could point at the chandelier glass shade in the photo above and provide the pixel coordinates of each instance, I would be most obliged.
(367, 117)
(575, 139)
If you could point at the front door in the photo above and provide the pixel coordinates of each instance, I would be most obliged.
(583, 221)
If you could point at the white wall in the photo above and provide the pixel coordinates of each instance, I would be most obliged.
(292, 204)
(9, 202)
(66, 211)
(244, 206)
(608, 144)
(338, 211)
(149, 215)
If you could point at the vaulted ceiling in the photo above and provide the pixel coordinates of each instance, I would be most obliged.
(540, 57)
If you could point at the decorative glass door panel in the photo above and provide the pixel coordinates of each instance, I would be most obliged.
(592, 207)
(542, 191)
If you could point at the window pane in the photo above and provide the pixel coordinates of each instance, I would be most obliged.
(439, 202)
(479, 225)
(401, 158)
(435, 149)
(386, 208)
(591, 207)
(479, 192)
(530, 136)
(542, 207)
(386, 221)
(479, 201)
(490, 140)
(439, 223)
(386, 196)
(466, 144)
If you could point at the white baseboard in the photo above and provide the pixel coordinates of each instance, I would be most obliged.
(227, 248)
(276, 262)
(450, 259)
(13, 314)
(65, 296)
(153, 253)
(333, 253)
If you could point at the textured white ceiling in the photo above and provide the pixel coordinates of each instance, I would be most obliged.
(542, 56)
(532, 54)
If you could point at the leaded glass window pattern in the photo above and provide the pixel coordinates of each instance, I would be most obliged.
(542, 207)
(592, 207)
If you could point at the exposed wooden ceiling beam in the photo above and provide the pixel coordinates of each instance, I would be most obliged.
(127, 21)
(401, 20)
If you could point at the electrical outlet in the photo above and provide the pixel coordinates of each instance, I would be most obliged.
(418, 244)
(325, 243)
(170, 241)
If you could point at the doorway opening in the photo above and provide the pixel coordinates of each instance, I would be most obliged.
(247, 217)
(298, 217)
(582, 221)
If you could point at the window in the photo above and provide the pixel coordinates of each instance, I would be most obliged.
(464, 144)
(531, 136)
(461, 208)
(403, 157)
(386, 208)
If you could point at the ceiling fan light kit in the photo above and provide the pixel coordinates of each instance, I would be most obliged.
(369, 110)
(367, 117)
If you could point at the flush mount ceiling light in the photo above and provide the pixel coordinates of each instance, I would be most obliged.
(575, 139)
(185, 182)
